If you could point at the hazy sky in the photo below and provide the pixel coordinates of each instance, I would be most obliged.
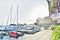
(29, 10)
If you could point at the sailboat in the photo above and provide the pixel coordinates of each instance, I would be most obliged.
(10, 27)
(13, 29)
(17, 28)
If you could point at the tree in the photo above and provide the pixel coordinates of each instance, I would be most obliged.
(35, 24)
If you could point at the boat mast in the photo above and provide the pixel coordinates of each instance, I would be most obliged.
(10, 15)
(17, 15)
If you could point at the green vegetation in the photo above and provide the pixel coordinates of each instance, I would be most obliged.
(56, 33)
(52, 27)
(51, 7)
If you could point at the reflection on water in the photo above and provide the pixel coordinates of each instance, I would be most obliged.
(6, 38)
(10, 38)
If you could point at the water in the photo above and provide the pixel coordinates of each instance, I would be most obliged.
(11, 38)
(7, 37)
(20, 38)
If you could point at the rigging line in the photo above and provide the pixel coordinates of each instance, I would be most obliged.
(7, 20)
(14, 19)
(2, 22)
(9, 16)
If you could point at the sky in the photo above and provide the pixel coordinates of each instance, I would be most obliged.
(28, 10)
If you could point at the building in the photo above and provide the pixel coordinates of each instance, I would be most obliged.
(54, 9)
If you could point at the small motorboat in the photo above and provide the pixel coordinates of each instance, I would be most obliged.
(11, 27)
(15, 34)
